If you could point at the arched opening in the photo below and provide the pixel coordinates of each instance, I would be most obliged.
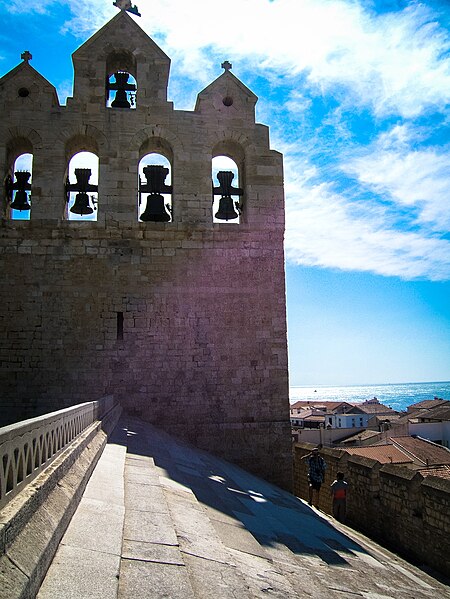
(18, 187)
(227, 193)
(121, 83)
(155, 188)
(82, 187)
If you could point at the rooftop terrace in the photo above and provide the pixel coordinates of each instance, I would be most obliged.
(162, 519)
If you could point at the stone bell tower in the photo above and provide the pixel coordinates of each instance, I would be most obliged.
(151, 281)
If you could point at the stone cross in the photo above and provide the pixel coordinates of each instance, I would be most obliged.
(26, 56)
(226, 65)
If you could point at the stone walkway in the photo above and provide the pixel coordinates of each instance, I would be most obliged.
(160, 519)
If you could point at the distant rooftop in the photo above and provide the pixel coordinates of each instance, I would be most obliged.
(385, 454)
(362, 436)
(423, 450)
(440, 471)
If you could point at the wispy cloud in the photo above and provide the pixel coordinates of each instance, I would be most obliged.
(418, 178)
(30, 6)
(323, 230)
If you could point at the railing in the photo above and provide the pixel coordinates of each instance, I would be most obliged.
(30, 446)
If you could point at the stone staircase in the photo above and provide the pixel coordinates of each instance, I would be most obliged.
(160, 519)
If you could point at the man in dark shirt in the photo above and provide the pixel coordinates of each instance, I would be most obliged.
(316, 473)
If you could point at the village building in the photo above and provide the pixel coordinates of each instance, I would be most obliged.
(329, 422)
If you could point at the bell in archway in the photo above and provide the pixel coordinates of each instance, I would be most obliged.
(22, 186)
(155, 210)
(121, 86)
(227, 209)
(81, 205)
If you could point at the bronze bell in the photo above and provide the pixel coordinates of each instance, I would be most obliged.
(81, 205)
(226, 209)
(21, 185)
(155, 210)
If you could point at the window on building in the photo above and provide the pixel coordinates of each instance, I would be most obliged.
(82, 187)
(227, 194)
(155, 189)
(20, 187)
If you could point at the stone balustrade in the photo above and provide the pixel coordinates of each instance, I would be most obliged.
(30, 446)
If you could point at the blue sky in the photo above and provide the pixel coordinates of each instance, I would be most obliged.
(356, 94)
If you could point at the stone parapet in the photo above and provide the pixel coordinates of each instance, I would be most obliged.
(33, 521)
(392, 504)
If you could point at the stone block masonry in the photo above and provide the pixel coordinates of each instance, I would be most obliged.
(184, 321)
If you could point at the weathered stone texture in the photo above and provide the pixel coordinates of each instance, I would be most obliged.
(203, 350)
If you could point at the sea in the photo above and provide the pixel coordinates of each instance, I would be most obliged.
(397, 396)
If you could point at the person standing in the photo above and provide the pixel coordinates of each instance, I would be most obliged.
(316, 473)
(339, 490)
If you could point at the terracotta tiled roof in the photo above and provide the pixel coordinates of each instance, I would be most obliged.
(441, 471)
(385, 454)
(314, 418)
(376, 408)
(328, 406)
(425, 451)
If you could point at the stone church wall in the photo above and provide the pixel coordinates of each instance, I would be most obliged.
(184, 321)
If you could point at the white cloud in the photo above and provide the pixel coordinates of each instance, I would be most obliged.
(393, 63)
(409, 177)
(328, 229)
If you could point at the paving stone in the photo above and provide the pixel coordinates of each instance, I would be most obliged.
(216, 580)
(238, 538)
(140, 579)
(97, 526)
(149, 527)
(145, 498)
(152, 552)
(81, 574)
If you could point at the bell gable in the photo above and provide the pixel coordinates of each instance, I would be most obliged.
(25, 88)
(120, 46)
(228, 97)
